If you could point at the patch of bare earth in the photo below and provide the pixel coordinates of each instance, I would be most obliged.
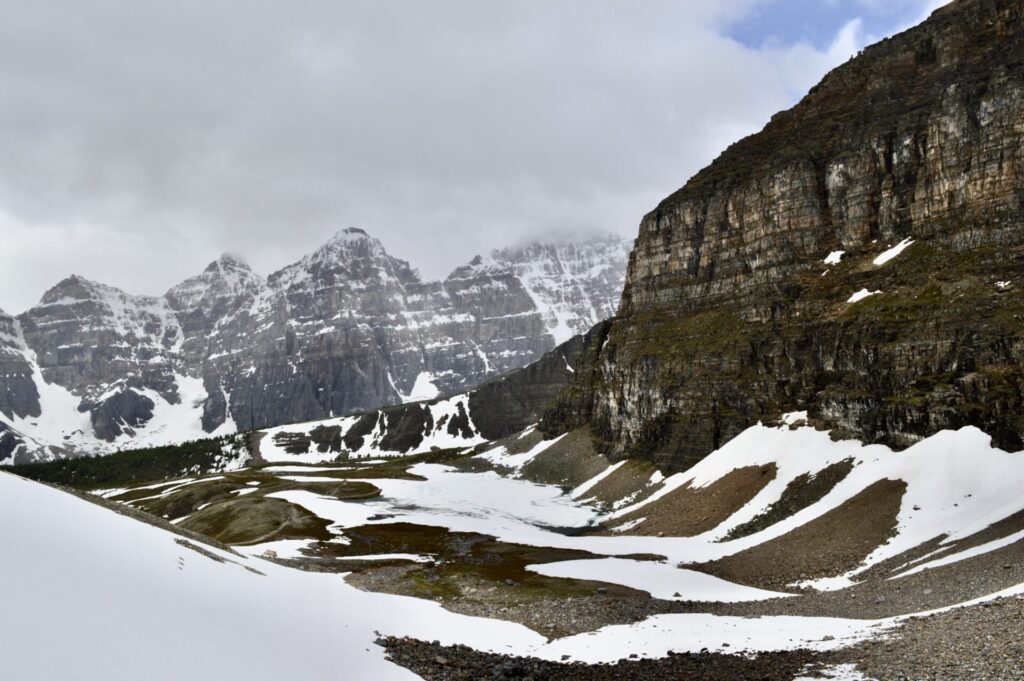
(689, 511)
(979, 643)
(568, 463)
(968, 644)
(829, 545)
(802, 492)
(629, 483)
(457, 663)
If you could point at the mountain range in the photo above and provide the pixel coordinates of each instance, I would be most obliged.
(347, 328)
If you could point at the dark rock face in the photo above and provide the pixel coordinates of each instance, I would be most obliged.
(730, 313)
(121, 413)
(348, 328)
(88, 338)
(9, 443)
(215, 407)
(509, 404)
(496, 409)
(19, 397)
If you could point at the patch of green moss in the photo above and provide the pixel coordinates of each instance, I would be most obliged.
(189, 498)
(711, 331)
(464, 563)
(253, 520)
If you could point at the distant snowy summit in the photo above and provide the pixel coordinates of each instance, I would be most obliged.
(349, 327)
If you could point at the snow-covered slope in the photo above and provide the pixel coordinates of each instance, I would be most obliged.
(416, 429)
(347, 328)
(90, 594)
(519, 512)
(957, 484)
(574, 284)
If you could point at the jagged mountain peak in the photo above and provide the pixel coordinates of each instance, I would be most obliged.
(346, 239)
(347, 327)
(480, 266)
(226, 278)
(78, 288)
(73, 285)
(345, 244)
(228, 262)
(351, 257)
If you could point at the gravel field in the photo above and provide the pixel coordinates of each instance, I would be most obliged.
(457, 663)
(979, 643)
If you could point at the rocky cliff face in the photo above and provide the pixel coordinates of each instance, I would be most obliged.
(498, 408)
(18, 395)
(107, 347)
(347, 328)
(767, 284)
(571, 283)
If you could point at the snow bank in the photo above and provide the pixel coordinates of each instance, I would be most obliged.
(892, 252)
(861, 295)
(658, 579)
(91, 594)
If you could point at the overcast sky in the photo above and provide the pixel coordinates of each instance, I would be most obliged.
(139, 140)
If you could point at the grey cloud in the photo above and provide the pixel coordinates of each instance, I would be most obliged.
(138, 140)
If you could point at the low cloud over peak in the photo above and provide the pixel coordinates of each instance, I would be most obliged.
(138, 141)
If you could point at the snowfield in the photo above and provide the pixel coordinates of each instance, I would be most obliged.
(126, 600)
(90, 594)
(121, 599)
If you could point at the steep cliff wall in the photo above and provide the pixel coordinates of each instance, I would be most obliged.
(738, 305)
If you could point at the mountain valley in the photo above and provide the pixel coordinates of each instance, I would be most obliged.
(781, 437)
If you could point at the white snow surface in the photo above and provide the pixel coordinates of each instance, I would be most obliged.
(588, 485)
(892, 252)
(658, 579)
(500, 455)
(423, 389)
(957, 485)
(957, 481)
(979, 550)
(119, 599)
(61, 426)
(87, 576)
(838, 672)
(834, 258)
(861, 295)
(658, 635)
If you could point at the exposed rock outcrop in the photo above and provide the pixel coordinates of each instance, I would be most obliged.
(498, 408)
(19, 397)
(738, 305)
